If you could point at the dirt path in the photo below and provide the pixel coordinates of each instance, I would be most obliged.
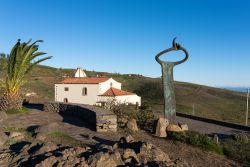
(208, 128)
(72, 126)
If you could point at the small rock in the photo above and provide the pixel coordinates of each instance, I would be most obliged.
(115, 146)
(3, 138)
(159, 155)
(101, 160)
(216, 138)
(129, 153)
(149, 152)
(174, 128)
(116, 156)
(3, 116)
(132, 125)
(181, 162)
(41, 136)
(161, 127)
(184, 127)
(129, 138)
(16, 135)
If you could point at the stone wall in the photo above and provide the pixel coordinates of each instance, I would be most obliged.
(103, 120)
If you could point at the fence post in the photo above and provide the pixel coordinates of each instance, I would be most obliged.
(247, 107)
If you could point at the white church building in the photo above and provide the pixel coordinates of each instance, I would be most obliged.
(92, 90)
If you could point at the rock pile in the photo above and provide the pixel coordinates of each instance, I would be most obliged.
(126, 152)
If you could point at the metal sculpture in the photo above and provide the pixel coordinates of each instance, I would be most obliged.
(167, 80)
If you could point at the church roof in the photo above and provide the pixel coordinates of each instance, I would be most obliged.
(84, 80)
(116, 92)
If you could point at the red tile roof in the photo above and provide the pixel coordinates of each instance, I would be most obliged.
(116, 92)
(85, 80)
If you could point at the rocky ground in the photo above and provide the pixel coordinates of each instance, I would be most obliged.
(126, 152)
(49, 139)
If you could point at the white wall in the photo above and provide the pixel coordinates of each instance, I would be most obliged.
(129, 99)
(74, 95)
(104, 86)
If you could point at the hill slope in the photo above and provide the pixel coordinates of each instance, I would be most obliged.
(190, 98)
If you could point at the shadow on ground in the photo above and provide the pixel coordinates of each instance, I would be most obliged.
(77, 122)
(37, 106)
(73, 120)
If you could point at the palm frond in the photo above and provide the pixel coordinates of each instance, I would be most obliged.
(20, 63)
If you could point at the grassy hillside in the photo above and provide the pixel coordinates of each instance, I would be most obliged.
(204, 101)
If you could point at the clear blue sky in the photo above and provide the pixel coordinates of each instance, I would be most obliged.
(125, 35)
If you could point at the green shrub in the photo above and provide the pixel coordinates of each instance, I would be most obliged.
(198, 140)
(180, 136)
(241, 137)
(237, 147)
(145, 120)
(204, 142)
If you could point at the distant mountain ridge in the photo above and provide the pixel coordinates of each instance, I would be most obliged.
(237, 89)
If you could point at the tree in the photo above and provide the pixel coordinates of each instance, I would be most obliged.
(22, 58)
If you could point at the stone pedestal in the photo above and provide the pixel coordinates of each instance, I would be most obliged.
(161, 127)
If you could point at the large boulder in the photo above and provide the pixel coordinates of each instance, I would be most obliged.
(16, 135)
(45, 147)
(174, 128)
(49, 128)
(148, 153)
(161, 127)
(132, 125)
(101, 160)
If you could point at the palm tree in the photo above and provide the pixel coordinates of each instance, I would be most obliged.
(22, 58)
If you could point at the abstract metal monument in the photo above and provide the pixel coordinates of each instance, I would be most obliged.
(167, 80)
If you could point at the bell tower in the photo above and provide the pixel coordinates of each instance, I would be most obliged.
(80, 73)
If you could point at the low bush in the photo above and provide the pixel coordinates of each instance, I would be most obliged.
(198, 140)
(145, 118)
(237, 147)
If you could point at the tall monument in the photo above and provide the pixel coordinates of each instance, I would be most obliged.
(167, 80)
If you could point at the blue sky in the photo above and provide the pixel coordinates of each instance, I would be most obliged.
(125, 35)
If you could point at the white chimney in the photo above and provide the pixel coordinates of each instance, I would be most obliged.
(80, 73)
